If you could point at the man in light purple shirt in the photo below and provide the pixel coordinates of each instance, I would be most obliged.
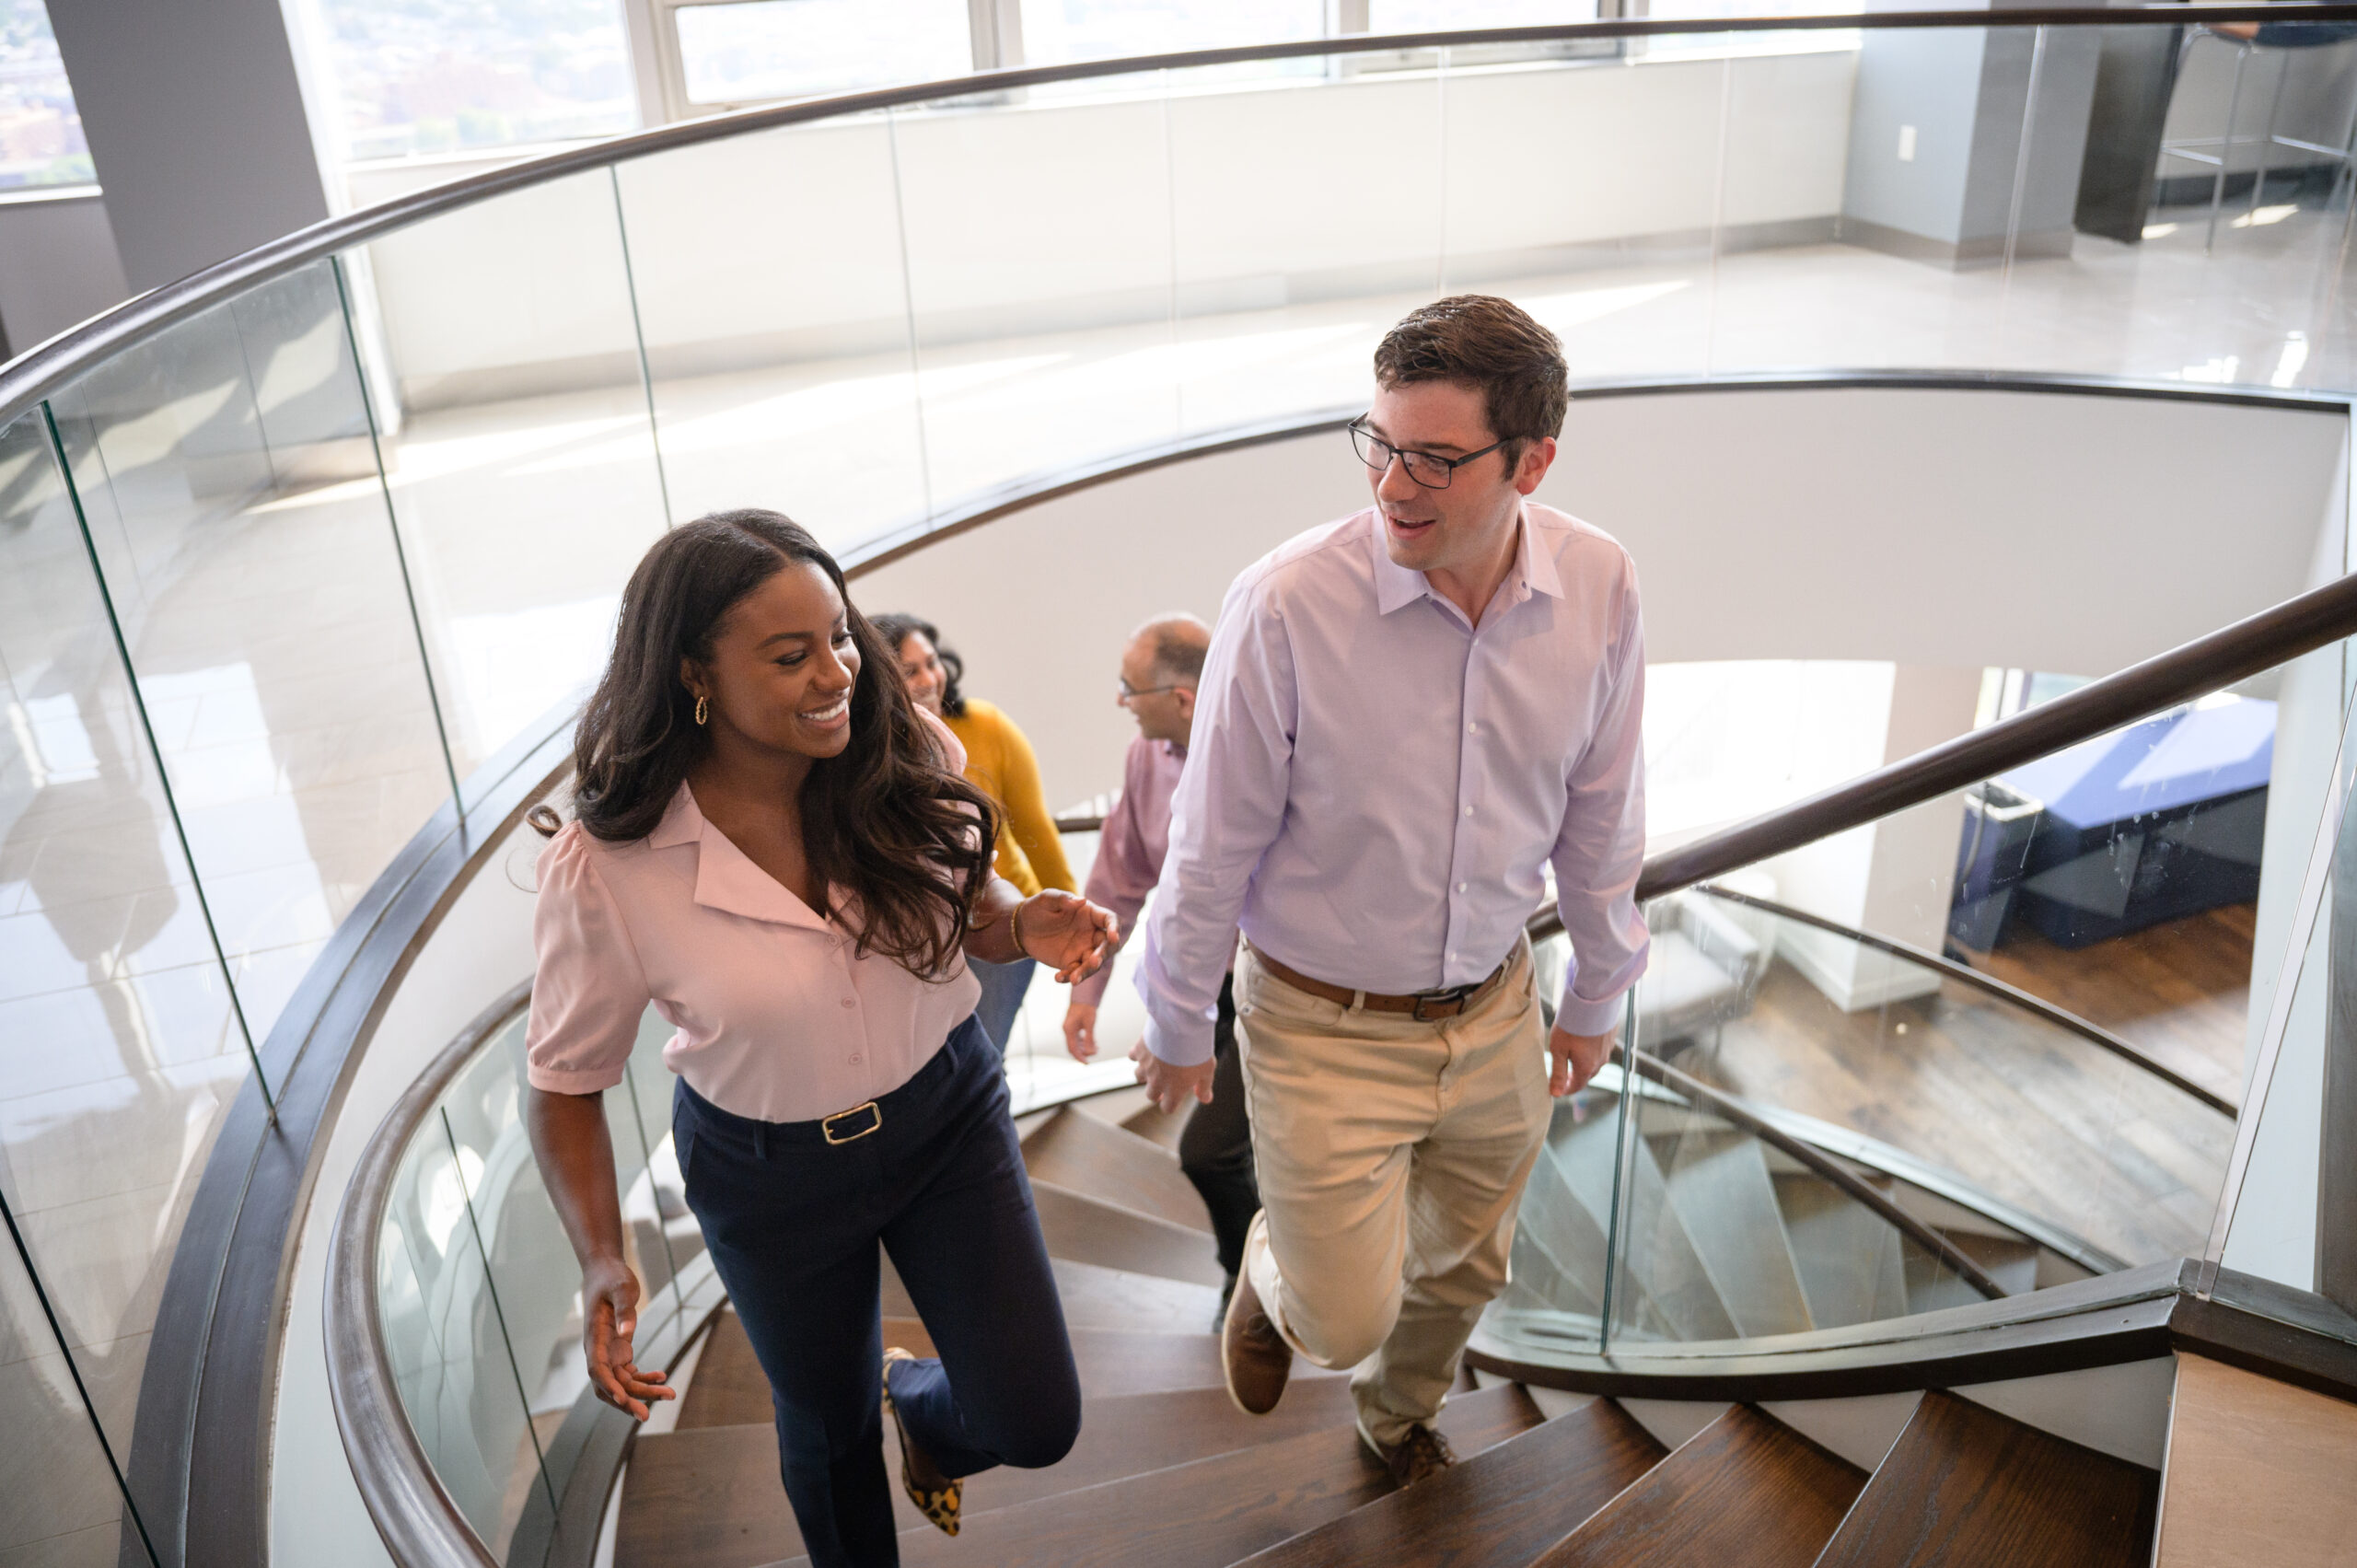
(1406, 717)
(1160, 669)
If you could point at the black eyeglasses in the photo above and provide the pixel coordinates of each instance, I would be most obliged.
(1428, 469)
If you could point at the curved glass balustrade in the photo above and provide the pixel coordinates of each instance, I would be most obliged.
(478, 1293)
(1823, 1126)
(282, 573)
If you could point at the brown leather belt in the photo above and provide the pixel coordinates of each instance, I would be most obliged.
(1426, 1006)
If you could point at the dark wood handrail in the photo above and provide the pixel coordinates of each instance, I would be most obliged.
(2299, 625)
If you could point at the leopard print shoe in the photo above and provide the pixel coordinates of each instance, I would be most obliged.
(937, 1505)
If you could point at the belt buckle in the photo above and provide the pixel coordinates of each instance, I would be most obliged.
(875, 1119)
(1456, 993)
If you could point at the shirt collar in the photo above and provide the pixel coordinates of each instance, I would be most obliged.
(1396, 585)
(727, 879)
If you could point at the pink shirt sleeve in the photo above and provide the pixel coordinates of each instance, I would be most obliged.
(589, 989)
(1123, 872)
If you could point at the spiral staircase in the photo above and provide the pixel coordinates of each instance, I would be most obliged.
(1168, 1472)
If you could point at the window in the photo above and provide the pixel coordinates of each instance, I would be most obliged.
(40, 131)
(1055, 31)
(1437, 16)
(446, 76)
(749, 51)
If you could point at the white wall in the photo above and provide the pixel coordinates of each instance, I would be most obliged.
(58, 265)
(1076, 211)
(1955, 529)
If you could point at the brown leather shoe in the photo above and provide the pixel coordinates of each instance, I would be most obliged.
(1253, 1354)
(1423, 1452)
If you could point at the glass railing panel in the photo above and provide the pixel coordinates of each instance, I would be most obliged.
(124, 1052)
(512, 415)
(442, 1320)
(774, 305)
(1307, 216)
(59, 1497)
(1610, 250)
(2283, 1214)
(1039, 235)
(224, 469)
(477, 1288)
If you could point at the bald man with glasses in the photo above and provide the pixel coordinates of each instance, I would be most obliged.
(1160, 669)
(1405, 719)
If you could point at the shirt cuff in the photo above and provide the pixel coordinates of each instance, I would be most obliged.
(1191, 1046)
(574, 1080)
(1575, 1015)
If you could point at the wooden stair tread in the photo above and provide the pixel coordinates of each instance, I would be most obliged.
(1091, 1230)
(1212, 1512)
(729, 1389)
(1151, 1124)
(1965, 1485)
(728, 1386)
(1745, 1489)
(712, 1499)
(1079, 1152)
(2257, 1471)
(1497, 1509)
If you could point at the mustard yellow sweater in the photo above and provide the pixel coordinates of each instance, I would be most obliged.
(1001, 764)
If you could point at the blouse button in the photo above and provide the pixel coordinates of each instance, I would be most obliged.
(851, 1002)
(854, 1058)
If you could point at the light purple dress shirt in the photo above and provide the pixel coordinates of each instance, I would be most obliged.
(1374, 785)
(1130, 848)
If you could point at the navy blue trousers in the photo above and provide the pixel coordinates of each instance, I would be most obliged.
(793, 1221)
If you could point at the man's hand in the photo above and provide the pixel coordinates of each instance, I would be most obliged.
(1576, 1058)
(1080, 1030)
(610, 1292)
(1168, 1086)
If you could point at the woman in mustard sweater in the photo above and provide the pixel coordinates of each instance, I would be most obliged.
(1000, 761)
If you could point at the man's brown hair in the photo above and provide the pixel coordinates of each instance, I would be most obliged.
(1492, 345)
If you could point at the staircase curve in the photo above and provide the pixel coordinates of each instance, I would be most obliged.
(1854, 1234)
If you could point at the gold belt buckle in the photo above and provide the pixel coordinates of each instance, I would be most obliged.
(874, 1119)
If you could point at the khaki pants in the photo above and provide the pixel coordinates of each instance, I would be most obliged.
(1392, 1157)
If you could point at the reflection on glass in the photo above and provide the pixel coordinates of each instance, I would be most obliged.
(476, 1285)
(225, 473)
(59, 1498)
(754, 50)
(122, 1051)
(512, 414)
(1043, 325)
(458, 1383)
(775, 314)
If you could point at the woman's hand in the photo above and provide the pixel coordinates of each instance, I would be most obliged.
(610, 1316)
(1066, 932)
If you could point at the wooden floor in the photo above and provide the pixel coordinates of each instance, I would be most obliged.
(2179, 992)
(2017, 1108)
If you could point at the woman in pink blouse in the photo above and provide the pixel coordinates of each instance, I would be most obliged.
(777, 850)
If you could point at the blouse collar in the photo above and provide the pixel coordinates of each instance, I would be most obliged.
(727, 879)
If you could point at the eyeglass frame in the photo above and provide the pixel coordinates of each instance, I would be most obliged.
(1359, 432)
(1125, 694)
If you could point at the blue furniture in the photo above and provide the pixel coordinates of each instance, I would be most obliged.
(2151, 823)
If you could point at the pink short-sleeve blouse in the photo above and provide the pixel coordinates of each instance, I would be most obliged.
(778, 1016)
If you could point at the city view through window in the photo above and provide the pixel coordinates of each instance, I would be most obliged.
(420, 76)
(41, 135)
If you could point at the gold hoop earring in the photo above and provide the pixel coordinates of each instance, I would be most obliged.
(703, 710)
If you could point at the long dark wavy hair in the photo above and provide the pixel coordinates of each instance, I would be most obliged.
(884, 824)
(895, 628)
